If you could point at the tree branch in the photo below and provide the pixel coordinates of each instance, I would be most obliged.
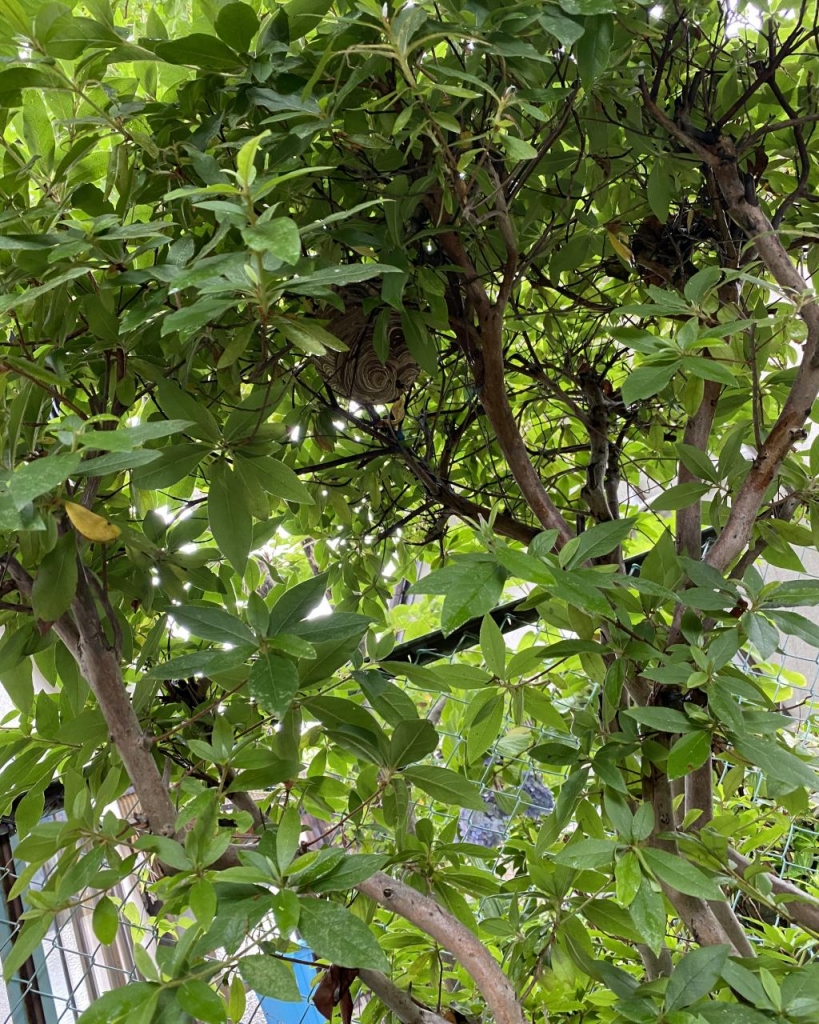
(100, 668)
(695, 913)
(789, 428)
(442, 492)
(397, 1000)
(800, 908)
(467, 949)
(84, 636)
(776, 126)
(697, 433)
(489, 370)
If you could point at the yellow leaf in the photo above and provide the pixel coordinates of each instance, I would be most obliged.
(620, 247)
(90, 525)
(397, 411)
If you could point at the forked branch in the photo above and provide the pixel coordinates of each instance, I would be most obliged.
(789, 429)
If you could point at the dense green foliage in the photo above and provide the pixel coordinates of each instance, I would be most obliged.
(551, 207)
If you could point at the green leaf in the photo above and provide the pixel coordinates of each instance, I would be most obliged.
(272, 683)
(337, 277)
(643, 824)
(199, 51)
(120, 1004)
(206, 663)
(334, 712)
(105, 920)
(679, 496)
(189, 320)
(599, 540)
(607, 917)
(517, 149)
(288, 831)
(681, 875)
(168, 850)
(627, 878)
(14, 15)
(174, 464)
(210, 622)
(731, 1013)
(292, 645)
(392, 703)
(587, 853)
(659, 189)
(524, 566)
(695, 976)
(689, 753)
(296, 603)
(777, 764)
(68, 37)
(8, 302)
(304, 15)
(306, 870)
(115, 462)
(446, 786)
(761, 632)
(411, 741)
(724, 707)
(587, 7)
(199, 1000)
(236, 24)
(562, 28)
(229, 517)
(182, 405)
(351, 870)
(336, 935)
(709, 369)
(482, 723)
(307, 335)
(661, 719)
(593, 50)
(269, 976)
(329, 657)
(279, 236)
(128, 438)
(56, 582)
(324, 628)
(697, 462)
(420, 343)
(647, 381)
(699, 284)
(648, 913)
(26, 942)
(493, 647)
(472, 586)
(280, 481)
(797, 625)
(32, 479)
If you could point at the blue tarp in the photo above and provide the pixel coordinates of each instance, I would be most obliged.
(278, 1012)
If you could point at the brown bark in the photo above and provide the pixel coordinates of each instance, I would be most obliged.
(100, 667)
(789, 429)
(695, 913)
(83, 634)
(800, 908)
(489, 368)
(397, 1000)
(426, 914)
(697, 434)
(442, 492)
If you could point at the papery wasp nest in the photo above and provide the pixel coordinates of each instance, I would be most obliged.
(358, 374)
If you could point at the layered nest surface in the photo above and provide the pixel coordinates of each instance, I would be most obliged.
(358, 374)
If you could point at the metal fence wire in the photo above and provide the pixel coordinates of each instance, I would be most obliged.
(71, 968)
